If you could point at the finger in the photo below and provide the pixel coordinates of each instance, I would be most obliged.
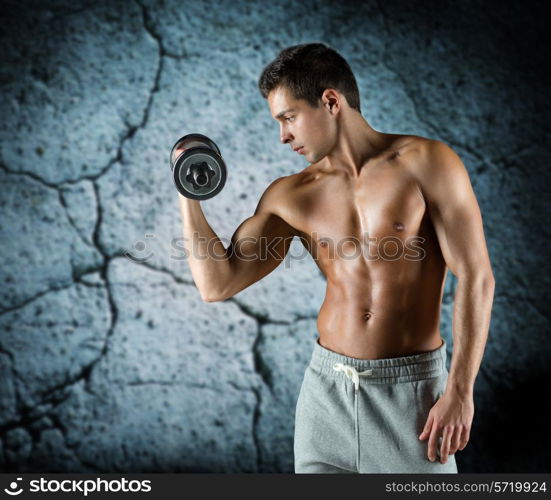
(433, 443)
(455, 441)
(465, 435)
(426, 430)
(445, 446)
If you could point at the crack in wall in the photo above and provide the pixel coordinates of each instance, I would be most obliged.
(245, 309)
(415, 102)
(263, 372)
(130, 132)
(59, 393)
(256, 439)
(32, 175)
(28, 415)
(147, 24)
(149, 27)
(86, 372)
(35, 297)
(58, 424)
(260, 367)
(63, 203)
(72, 224)
(50, 400)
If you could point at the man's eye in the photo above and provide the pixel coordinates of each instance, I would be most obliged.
(289, 118)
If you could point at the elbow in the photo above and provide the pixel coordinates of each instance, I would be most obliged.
(484, 279)
(488, 280)
(210, 297)
(490, 286)
(213, 295)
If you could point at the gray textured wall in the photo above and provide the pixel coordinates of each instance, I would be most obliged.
(113, 363)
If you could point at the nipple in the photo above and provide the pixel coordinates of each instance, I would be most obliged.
(398, 226)
(393, 155)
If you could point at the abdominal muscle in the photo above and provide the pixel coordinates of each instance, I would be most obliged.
(397, 317)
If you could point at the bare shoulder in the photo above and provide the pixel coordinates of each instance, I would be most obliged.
(276, 201)
(435, 158)
(273, 196)
(424, 156)
(284, 189)
(411, 146)
(440, 172)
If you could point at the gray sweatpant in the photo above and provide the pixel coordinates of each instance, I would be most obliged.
(347, 421)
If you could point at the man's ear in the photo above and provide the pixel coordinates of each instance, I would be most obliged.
(330, 99)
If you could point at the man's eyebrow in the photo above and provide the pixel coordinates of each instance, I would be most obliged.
(279, 115)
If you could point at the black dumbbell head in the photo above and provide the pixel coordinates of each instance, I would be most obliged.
(190, 141)
(199, 172)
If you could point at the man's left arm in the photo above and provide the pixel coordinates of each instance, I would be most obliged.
(456, 217)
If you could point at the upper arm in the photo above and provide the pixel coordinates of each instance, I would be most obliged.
(260, 242)
(454, 210)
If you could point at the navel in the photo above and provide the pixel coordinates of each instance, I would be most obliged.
(398, 226)
(367, 315)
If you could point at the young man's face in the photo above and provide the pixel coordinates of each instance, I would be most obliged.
(302, 125)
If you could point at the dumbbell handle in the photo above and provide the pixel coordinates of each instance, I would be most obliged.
(200, 178)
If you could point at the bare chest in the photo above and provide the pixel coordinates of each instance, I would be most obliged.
(383, 202)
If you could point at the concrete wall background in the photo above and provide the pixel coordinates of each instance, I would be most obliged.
(112, 364)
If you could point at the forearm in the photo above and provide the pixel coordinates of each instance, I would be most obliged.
(205, 252)
(471, 320)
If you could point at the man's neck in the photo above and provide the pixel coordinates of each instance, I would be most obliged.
(358, 142)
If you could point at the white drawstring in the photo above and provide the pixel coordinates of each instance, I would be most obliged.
(352, 373)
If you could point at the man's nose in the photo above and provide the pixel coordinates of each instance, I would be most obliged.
(284, 137)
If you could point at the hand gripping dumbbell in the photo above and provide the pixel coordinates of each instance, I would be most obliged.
(198, 169)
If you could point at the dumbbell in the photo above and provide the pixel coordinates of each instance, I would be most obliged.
(198, 170)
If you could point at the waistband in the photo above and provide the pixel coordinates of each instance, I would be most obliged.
(381, 371)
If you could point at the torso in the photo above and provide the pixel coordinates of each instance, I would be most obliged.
(373, 239)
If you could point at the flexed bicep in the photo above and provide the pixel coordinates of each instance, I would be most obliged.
(258, 245)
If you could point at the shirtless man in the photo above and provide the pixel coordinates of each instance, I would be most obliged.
(377, 387)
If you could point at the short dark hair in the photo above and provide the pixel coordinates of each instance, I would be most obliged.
(307, 70)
